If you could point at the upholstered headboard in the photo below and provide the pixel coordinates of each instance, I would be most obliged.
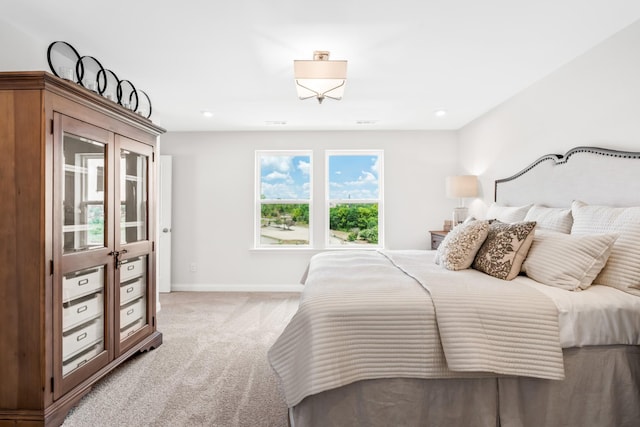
(594, 175)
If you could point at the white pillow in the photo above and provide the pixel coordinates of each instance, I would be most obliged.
(508, 214)
(458, 249)
(622, 270)
(554, 219)
(567, 261)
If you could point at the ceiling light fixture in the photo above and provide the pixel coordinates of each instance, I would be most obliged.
(206, 113)
(320, 78)
(440, 113)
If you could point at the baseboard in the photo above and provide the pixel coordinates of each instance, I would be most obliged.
(203, 287)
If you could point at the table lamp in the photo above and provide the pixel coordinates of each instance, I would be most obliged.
(461, 187)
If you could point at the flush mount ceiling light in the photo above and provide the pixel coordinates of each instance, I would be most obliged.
(320, 78)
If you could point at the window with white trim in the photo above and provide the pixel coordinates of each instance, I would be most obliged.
(283, 198)
(354, 198)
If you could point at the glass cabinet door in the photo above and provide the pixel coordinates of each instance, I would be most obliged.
(83, 193)
(133, 197)
(135, 268)
(82, 250)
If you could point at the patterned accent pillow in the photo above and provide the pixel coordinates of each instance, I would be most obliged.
(505, 249)
(553, 219)
(458, 249)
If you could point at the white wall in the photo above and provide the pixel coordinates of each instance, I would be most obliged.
(20, 51)
(213, 206)
(592, 100)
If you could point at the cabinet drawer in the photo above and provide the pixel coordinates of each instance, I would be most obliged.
(82, 283)
(81, 310)
(81, 359)
(435, 242)
(131, 329)
(132, 312)
(82, 338)
(132, 268)
(131, 291)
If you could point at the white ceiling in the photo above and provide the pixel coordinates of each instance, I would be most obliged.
(407, 58)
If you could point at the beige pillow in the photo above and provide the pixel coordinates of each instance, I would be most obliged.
(622, 270)
(554, 219)
(509, 214)
(567, 261)
(459, 247)
(503, 252)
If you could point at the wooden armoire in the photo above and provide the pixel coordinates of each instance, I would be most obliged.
(77, 243)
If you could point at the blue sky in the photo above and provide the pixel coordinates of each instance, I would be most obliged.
(285, 177)
(353, 177)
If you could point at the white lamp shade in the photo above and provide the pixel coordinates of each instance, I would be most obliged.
(319, 78)
(310, 69)
(460, 186)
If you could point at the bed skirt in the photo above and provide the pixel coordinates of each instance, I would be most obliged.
(602, 388)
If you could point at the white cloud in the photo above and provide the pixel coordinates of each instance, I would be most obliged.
(375, 167)
(278, 191)
(354, 194)
(279, 163)
(304, 167)
(275, 175)
(365, 179)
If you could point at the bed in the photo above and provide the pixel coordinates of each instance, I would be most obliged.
(393, 338)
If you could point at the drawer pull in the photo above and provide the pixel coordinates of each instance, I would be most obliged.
(130, 289)
(81, 363)
(81, 309)
(81, 337)
(83, 282)
(131, 267)
(130, 311)
(131, 333)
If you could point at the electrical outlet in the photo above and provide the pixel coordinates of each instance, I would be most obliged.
(193, 267)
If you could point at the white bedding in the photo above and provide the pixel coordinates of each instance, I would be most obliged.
(360, 318)
(599, 315)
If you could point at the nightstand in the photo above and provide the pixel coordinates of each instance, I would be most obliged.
(437, 237)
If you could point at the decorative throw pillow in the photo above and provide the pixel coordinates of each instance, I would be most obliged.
(567, 261)
(622, 270)
(509, 214)
(503, 252)
(459, 247)
(554, 219)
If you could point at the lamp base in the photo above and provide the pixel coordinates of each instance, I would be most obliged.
(459, 215)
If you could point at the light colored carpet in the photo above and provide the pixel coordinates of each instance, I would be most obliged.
(211, 369)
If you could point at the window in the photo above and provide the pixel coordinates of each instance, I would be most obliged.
(354, 198)
(283, 198)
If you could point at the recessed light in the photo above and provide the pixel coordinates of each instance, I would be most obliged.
(275, 122)
(207, 113)
(366, 122)
(440, 113)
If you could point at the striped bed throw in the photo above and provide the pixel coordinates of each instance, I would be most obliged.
(367, 314)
